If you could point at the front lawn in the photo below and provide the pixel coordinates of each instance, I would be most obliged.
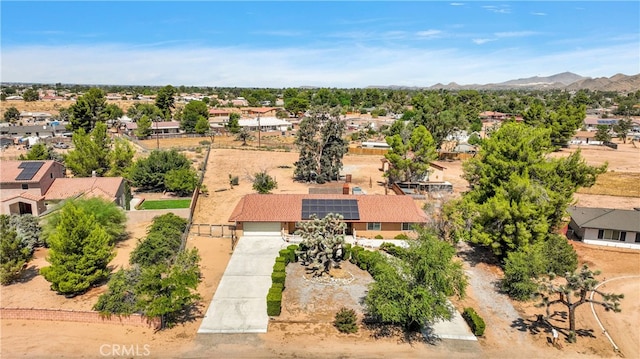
(166, 204)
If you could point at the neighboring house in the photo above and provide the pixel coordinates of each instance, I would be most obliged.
(27, 187)
(265, 124)
(584, 138)
(369, 215)
(606, 226)
(35, 116)
(35, 130)
(260, 111)
(160, 127)
(109, 188)
(23, 185)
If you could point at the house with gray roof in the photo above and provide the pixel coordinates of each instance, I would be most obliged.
(606, 226)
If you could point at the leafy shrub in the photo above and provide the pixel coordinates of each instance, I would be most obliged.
(520, 270)
(278, 277)
(292, 253)
(476, 323)
(286, 255)
(281, 259)
(355, 254)
(28, 229)
(346, 320)
(401, 236)
(346, 251)
(274, 300)
(279, 267)
(379, 236)
(205, 142)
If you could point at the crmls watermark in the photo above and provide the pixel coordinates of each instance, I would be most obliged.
(128, 350)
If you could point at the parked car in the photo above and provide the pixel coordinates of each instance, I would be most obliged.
(60, 145)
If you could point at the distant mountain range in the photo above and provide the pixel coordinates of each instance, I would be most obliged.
(562, 81)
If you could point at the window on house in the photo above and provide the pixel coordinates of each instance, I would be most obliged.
(612, 234)
(638, 237)
(374, 226)
(623, 236)
(25, 186)
(406, 226)
(51, 175)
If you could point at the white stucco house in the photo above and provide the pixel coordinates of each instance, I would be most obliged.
(606, 226)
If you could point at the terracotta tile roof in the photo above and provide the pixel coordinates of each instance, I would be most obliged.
(103, 187)
(288, 208)
(9, 171)
(26, 195)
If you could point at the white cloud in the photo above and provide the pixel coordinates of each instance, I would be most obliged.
(429, 33)
(456, 4)
(285, 33)
(342, 66)
(515, 34)
(539, 13)
(482, 41)
(502, 9)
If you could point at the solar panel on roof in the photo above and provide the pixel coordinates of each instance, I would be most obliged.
(29, 169)
(348, 208)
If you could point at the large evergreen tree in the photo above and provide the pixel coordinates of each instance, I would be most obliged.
(193, 112)
(88, 110)
(409, 158)
(165, 100)
(517, 195)
(322, 146)
(14, 252)
(91, 152)
(149, 173)
(80, 250)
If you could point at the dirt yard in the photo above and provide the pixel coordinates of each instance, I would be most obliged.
(304, 330)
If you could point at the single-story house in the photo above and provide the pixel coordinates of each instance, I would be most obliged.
(109, 188)
(606, 226)
(160, 127)
(265, 124)
(584, 137)
(369, 215)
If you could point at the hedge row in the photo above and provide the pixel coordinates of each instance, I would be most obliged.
(278, 278)
(372, 262)
(476, 323)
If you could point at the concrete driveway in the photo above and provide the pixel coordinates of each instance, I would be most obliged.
(240, 302)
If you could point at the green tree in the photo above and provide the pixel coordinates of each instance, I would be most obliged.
(202, 126)
(322, 246)
(578, 289)
(621, 128)
(517, 194)
(120, 158)
(113, 112)
(14, 253)
(263, 183)
(30, 95)
(28, 229)
(120, 298)
(182, 181)
(602, 133)
(413, 289)
(88, 110)
(409, 159)
(149, 173)
(91, 152)
(165, 100)
(138, 110)
(296, 105)
(79, 252)
(144, 127)
(166, 290)
(162, 241)
(322, 146)
(244, 135)
(11, 115)
(105, 213)
(233, 125)
(39, 152)
(192, 113)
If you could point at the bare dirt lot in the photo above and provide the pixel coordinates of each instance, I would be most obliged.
(305, 330)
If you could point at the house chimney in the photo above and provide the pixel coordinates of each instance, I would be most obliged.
(345, 188)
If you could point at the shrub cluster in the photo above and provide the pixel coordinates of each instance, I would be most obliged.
(278, 278)
(163, 240)
(392, 249)
(372, 262)
(476, 323)
(346, 320)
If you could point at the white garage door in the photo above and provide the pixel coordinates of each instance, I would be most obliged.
(262, 228)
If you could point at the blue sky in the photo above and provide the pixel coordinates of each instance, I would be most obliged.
(313, 43)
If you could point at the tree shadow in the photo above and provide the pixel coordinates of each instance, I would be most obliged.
(402, 334)
(28, 274)
(189, 314)
(542, 325)
(475, 254)
(537, 326)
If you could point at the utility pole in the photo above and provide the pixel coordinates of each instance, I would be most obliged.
(157, 138)
(259, 130)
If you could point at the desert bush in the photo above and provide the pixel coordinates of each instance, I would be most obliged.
(379, 236)
(476, 323)
(401, 236)
(346, 320)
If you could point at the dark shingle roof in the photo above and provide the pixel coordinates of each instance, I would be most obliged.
(606, 218)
